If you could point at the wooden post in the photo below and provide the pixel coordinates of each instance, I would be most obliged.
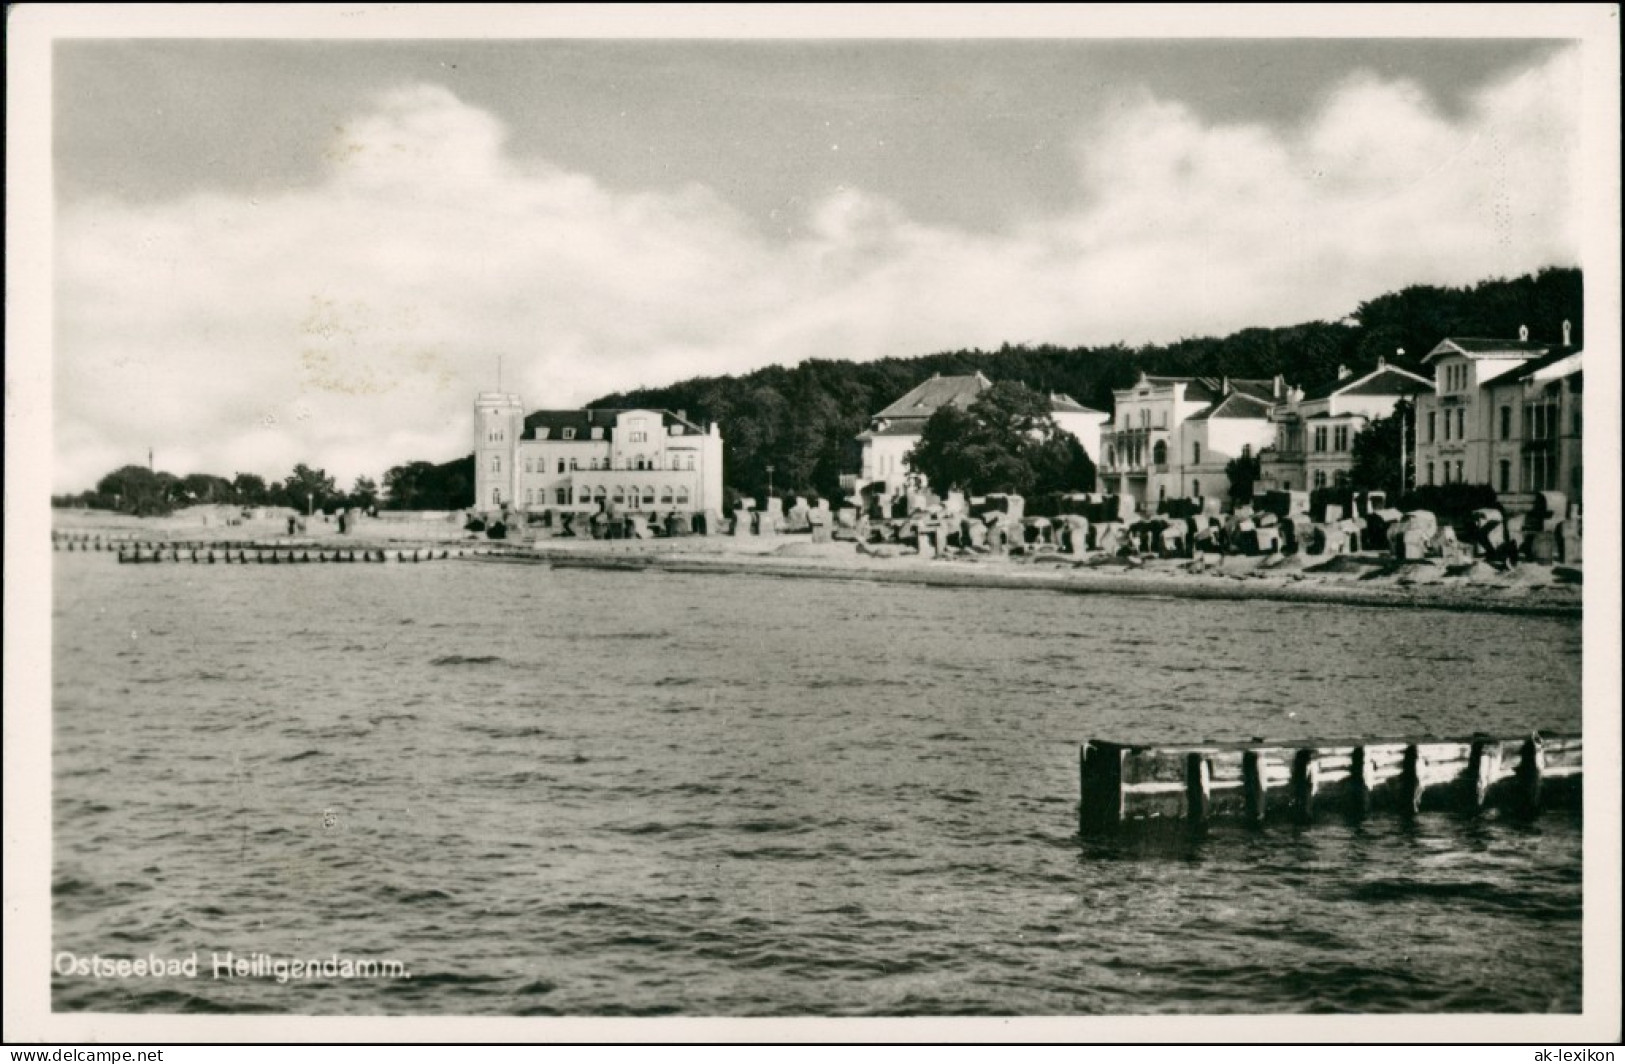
(1253, 785)
(1198, 787)
(1481, 767)
(1305, 779)
(1410, 781)
(1361, 772)
(1531, 767)
(1100, 770)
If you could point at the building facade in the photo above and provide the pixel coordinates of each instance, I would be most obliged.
(1506, 413)
(894, 431)
(583, 461)
(1315, 429)
(1173, 436)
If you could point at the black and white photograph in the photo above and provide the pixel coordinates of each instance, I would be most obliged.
(941, 516)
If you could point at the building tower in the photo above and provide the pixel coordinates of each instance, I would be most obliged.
(499, 420)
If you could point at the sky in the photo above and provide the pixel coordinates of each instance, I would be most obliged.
(278, 251)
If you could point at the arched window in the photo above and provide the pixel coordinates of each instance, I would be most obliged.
(682, 496)
(649, 496)
(1196, 452)
(620, 495)
(496, 496)
(1159, 453)
(496, 463)
(598, 493)
(665, 495)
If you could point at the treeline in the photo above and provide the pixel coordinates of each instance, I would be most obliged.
(801, 420)
(135, 489)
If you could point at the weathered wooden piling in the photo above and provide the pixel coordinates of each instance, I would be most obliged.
(1259, 782)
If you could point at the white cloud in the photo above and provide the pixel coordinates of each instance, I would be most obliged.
(348, 324)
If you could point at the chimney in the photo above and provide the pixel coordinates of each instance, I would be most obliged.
(1523, 332)
(1280, 385)
(1224, 385)
(1343, 372)
(1382, 363)
(1567, 342)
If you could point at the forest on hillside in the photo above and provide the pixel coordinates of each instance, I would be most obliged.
(802, 419)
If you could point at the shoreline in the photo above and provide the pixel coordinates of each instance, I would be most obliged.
(1370, 580)
(1156, 580)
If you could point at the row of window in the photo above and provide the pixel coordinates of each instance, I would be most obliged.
(1339, 437)
(639, 462)
(1540, 422)
(620, 495)
(1456, 377)
(1339, 478)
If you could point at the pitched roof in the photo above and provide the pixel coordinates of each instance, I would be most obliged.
(583, 421)
(927, 397)
(1065, 404)
(1236, 405)
(1552, 361)
(1212, 389)
(1384, 380)
(1481, 348)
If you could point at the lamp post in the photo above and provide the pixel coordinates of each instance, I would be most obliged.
(310, 504)
(770, 481)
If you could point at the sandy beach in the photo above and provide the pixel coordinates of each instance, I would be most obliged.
(1364, 579)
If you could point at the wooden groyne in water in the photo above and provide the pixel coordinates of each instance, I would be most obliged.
(211, 555)
(1259, 782)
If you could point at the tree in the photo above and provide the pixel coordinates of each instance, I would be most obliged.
(1243, 472)
(249, 489)
(206, 487)
(136, 489)
(307, 488)
(1376, 450)
(364, 493)
(1005, 441)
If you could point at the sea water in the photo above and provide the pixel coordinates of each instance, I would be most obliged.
(570, 792)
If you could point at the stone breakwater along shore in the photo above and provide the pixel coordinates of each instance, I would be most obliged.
(1355, 580)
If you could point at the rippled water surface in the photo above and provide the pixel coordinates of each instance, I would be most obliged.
(574, 792)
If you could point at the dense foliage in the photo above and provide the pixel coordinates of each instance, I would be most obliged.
(802, 419)
(135, 489)
(1006, 441)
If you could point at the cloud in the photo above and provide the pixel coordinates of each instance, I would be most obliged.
(349, 323)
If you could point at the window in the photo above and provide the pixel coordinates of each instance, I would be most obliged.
(528, 465)
(1340, 479)
(496, 463)
(1340, 438)
(1460, 478)
(1433, 426)
(665, 495)
(496, 496)
(649, 496)
(1505, 483)
(638, 437)
(598, 433)
(1162, 492)
(1159, 453)
(1430, 472)
(539, 432)
(1196, 488)
(530, 496)
(1461, 423)
(1111, 456)
(1320, 442)
(1506, 423)
(620, 495)
(569, 433)
(1320, 478)
(691, 457)
(575, 464)
(1196, 452)
(682, 496)
(563, 496)
(1447, 425)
